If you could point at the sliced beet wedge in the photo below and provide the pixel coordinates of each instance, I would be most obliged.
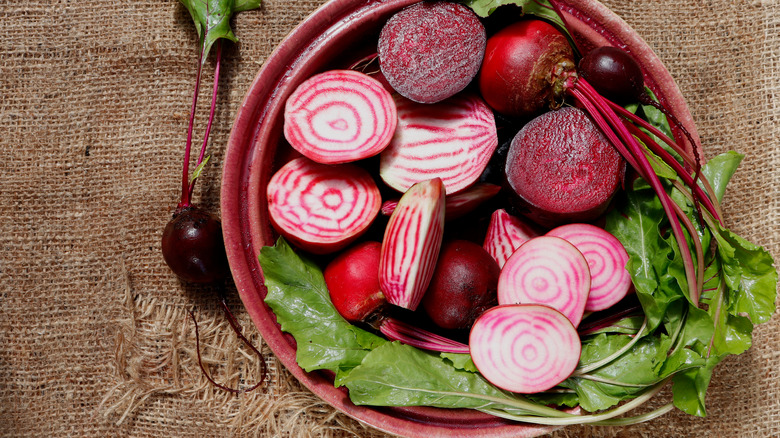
(505, 234)
(322, 208)
(412, 243)
(339, 116)
(550, 271)
(452, 140)
(524, 348)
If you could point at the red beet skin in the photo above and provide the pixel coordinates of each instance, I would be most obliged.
(464, 285)
(563, 169)
(353, 281)
(521, 65)
(431, 50)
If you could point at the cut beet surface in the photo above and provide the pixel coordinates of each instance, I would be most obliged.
(452, 140)
(322, 208)
(563, 169)
(431, 50)
(339, 116)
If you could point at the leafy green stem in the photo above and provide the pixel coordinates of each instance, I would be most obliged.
(598, 364)
(584, 419)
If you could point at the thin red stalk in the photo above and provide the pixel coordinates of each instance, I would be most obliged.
(399, 331)
(677, 167)
(686, 221)
(608, 321)
(690, 160)
(646, 169)
(212, 111)
(185, 176)
(205, 373)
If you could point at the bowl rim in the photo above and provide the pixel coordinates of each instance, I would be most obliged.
(245, 231)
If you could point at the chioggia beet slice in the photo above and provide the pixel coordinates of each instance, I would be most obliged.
(322, 208)
(412, 243)
(339, 116)
(452, 140)
(505, 234)
(610, 281)
(563, 169)
(550, 271)
(431, 50)
(458, 204)
(524, 348)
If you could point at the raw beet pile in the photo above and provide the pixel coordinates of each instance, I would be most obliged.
(481, 260)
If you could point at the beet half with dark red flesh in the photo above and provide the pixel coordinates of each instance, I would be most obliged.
(431, 50)
(563, 169)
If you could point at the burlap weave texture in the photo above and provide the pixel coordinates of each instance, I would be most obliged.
(95, 338)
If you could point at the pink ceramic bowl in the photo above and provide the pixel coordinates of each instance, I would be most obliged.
(256, 149)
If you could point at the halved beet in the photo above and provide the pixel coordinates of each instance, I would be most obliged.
(322, 208)
(610, 281)
(339, 116)
(505, 234)
(524, 348)
(431, 50)
(412, 243)
(452, 140)
(563, 169)
(549, 271)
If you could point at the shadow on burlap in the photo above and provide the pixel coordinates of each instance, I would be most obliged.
(95, 336)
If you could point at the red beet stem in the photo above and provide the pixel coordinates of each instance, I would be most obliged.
(416, 337)
(582, 91)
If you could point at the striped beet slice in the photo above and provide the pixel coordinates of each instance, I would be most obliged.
(411, 244)
(322, 208)
(505, 234)
(610, 281)
(524, 348)
(452, 140)
(550, 271)
(339, 116)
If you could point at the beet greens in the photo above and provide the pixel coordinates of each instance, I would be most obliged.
(192, 243)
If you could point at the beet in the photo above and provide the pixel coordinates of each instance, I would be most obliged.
(563, 169)
(193, 248)
(521, 67)
(353, 281)
(613, 73)
(463, 286)
(431, 50)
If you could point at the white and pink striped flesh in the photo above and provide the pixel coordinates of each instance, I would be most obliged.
(524, 348)
(550, 271)
(412, 243)
(340, 116)
(505, 234)
(610, 281)
(322, 208)
(452, 140)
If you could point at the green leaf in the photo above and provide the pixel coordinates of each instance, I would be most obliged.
(461, 361)
(396, 374)
(212, 19)
(636, 222)
(198, 170)
(720, 169)
(625, 376)
(538, 8)
(750, 276)
(299, 297)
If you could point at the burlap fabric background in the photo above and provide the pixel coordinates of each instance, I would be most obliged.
(95, 338)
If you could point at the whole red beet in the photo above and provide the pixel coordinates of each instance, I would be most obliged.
(353, 281)
(463, 286)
